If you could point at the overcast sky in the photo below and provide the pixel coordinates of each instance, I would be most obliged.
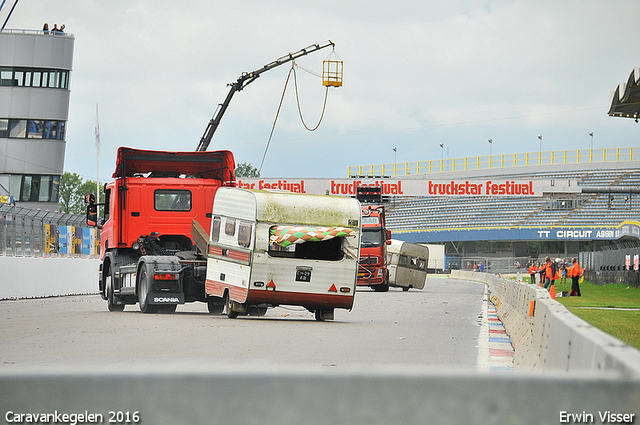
(416, 74)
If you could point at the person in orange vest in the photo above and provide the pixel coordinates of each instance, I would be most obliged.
(532, 273)
(551, 273)
(542, 270)
(574, 272)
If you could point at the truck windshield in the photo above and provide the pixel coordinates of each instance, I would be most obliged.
(371, 237)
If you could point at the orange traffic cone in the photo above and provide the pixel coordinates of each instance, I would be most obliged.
(552, 291)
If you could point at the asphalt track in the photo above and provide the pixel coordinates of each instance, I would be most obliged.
(443, 325)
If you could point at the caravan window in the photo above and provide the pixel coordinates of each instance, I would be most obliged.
(215, 229)
(422, 264)
(230, 227)
(244, 234)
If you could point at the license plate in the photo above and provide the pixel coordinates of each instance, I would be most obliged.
(303, 275)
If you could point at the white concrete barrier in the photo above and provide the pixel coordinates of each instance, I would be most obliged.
(286, 395)
(28, 277)
(549, 338)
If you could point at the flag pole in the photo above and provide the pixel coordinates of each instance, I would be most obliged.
(97, 157)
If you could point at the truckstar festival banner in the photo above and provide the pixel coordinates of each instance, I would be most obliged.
(400, 187)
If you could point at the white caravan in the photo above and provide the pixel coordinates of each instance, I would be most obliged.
(269, 248)
(407, 264)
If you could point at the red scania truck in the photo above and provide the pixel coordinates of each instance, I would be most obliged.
(373, 249)
(146, 246)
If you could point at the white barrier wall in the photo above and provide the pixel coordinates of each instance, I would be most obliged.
(28, 277)
(549, 338)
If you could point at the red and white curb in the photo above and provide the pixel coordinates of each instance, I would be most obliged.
(495, 352)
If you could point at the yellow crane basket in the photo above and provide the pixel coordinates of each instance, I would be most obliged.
(332, 73)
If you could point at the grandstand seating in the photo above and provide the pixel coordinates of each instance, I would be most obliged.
(462, 212)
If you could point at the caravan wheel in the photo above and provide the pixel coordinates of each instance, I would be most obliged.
(227, 307)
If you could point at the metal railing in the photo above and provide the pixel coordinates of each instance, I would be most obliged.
(35, 32)
(26, 232)
(498, 161)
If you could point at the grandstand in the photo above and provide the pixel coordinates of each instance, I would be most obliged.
(586, 209)
(603, 209)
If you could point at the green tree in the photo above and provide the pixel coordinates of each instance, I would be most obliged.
(69, 185)
(72, 191)
(246, 170)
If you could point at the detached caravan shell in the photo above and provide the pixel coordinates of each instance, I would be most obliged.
(407, 263)
(270, 248)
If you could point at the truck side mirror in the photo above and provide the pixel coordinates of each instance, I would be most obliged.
(92, 215)
(92, 210)
(388, 237)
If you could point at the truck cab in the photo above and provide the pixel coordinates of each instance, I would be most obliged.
(146, 245)
(373, 249)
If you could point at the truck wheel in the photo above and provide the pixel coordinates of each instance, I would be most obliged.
(406, 288)
(111, 302)
(257, 311)
(381, 288)
(144, 287)
(215, 305)
(227, 306)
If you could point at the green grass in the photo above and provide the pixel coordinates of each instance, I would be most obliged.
(624, 325)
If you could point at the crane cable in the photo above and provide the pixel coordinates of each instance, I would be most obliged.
(293, 65)
(326, 94)
(273, 127)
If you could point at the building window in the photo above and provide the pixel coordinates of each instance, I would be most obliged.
(34, 77)
(5, 77)
(35, 188)
(35, 129)
(4, 128)
(18, 129)
(32, 129)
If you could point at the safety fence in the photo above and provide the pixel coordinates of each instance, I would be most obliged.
(577, 156)
(26, 232)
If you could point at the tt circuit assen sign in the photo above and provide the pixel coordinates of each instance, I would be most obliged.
(625, 229)
(399, 187)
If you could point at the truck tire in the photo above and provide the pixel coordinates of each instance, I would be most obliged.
(144, 287)
(382, 287)
(111, 301)
(215, 305)
(255, 310)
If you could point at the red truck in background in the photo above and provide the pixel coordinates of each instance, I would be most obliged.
(375, 237)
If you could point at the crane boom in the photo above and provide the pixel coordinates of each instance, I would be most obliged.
(245, 79)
